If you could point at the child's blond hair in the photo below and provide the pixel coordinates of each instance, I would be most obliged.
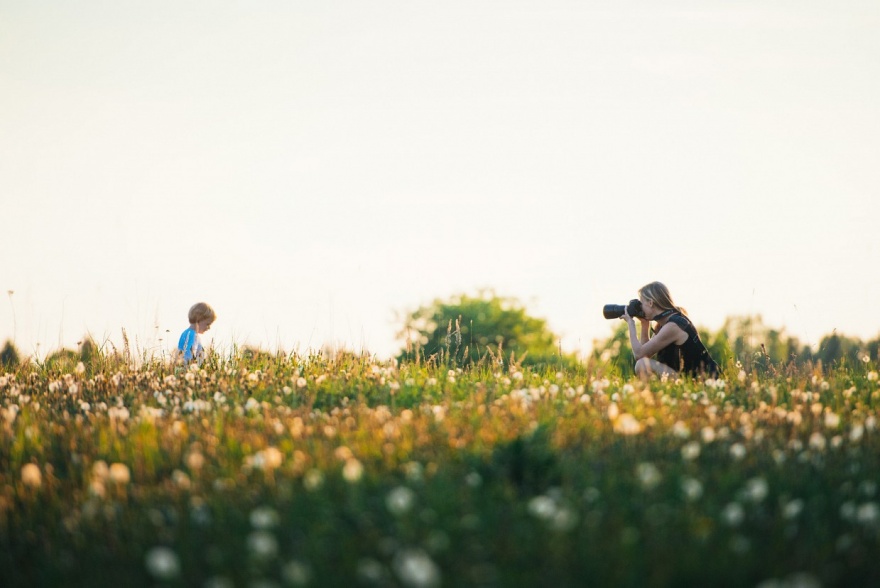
(201, 311)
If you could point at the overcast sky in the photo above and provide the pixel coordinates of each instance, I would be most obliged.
(315, 169)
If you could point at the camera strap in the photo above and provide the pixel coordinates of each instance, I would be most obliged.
(664, 314)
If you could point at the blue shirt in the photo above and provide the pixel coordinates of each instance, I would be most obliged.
(190, 344)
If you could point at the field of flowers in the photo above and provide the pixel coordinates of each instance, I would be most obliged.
(347, 471)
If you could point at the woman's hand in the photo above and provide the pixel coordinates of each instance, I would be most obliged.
(625, 317)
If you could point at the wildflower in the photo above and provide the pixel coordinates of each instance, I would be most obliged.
(627, 424)
(263, 518)
(756, 489)
(737, 451)
(792, 508)
(832, 420)
(817, 441)
(370, 571)
(681, 430)
(31, 475)
(872, 376)
(542, 507)
(692, 489)
(868, 514)
(708, 434)
(80, 369)
(313, 480)
(297, 573)
(733, 514)
(400, 500)
(352, 470)
(691, 451)
(648, 474)
(119, 473)
(613, 411)
(415, 568)
(262, 545)
(301, 382)
(162, 563)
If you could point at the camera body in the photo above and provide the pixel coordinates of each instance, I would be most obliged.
(634, 309)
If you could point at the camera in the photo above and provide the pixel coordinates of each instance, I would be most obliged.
(634, 309)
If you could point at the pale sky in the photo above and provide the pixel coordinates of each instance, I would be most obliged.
(315, 169)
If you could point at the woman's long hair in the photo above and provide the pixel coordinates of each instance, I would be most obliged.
(658, 293)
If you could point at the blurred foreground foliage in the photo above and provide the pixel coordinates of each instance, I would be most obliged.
(337, 469)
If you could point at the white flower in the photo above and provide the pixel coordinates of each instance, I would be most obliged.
(297, 573)
(352, 470)
(756, 489)
(313, 480)
(415, 568)
(733, 514)
(832, 420)
(691, 451)
(868, 513)
(627, 424)
(792, 508)
(648, 475)
(400, 500)
(681, 430)
(737, 451)
(692, 488)
(542, 507)
(262, 545)
(162, 563)
(264, 518)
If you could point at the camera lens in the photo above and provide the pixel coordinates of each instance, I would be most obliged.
(613, 311)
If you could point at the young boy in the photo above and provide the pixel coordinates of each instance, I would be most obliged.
(201, 315)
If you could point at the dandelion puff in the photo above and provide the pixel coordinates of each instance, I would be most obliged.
(262, 545)
(542, 507)
(162, 563)
(648, 474)
(737, 451)
(400, 500)
(868, 514)
(297, 573)
(415, 568)
(31, 475)
(692, 489)
(691, 451)
(370, 571)
(627, 424)
(264, 518)
(119, 473)
(792, 508)
(733, 514)
(313, 480)
(756, 489)
(352, 470)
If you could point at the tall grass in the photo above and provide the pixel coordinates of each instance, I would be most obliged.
(287, 470)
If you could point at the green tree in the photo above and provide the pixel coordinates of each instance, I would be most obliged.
(468, 329)
(9, 356)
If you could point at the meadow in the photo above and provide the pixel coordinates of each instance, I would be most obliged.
(342, 470)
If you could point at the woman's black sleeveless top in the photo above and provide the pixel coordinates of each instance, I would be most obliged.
(691, 357)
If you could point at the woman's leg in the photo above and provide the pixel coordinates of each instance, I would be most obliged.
(647, 366)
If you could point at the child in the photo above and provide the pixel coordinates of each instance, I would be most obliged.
(201, 315)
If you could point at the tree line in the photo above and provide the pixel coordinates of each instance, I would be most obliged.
(491, 330)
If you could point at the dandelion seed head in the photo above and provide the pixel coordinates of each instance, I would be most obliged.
(162, 563)
(737, 451)
(262, 545)
(119, 473)
(756, 489)
(313, 480)
(733, 514)
(691, 450)
(31, 476)
(648, 475)
(627, 424)
(692, 489)
(352, 470)
(400, 500)
(264, 518)
(416, 569)
(297, 573)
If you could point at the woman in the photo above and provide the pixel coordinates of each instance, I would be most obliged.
(675, 345)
